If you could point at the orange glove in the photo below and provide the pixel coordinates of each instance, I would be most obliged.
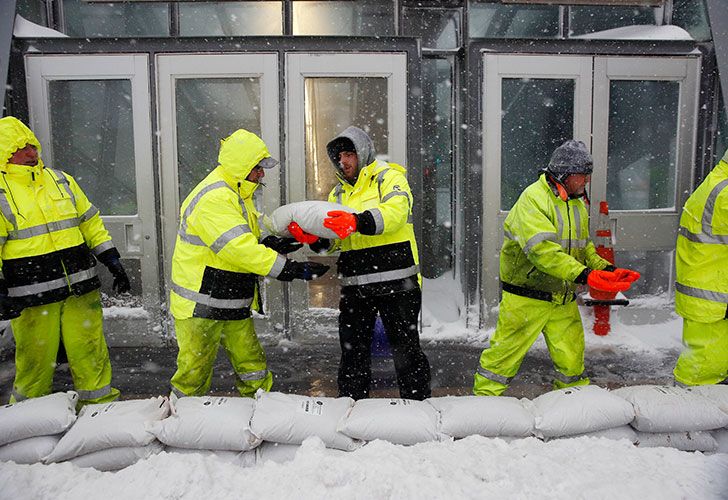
(340, 222)
(606, 281)
(627, 275)
(301, 235)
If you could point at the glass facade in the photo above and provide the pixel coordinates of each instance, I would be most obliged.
(492, 20)
(96, 20)
(438, 28)
(96, 145)
(343, 18)
(584, 20)
(230, 18)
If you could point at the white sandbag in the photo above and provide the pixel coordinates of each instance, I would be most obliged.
(684, 441)
(111, 425)
(33, 417)
(615, 433)
(112, 459)
(29, 451)
(462, 416)
(671, 409)
(208, 423)
(579, 409)
(721, 438)
(309, 215)
(239, 458)
(718, 394)
(290, 419)
(276, 452)
(399, 421)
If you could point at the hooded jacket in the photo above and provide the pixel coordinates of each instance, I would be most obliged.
(217, 255)
(547, 244)
(385, 259)
(49, 231)
(701, 259)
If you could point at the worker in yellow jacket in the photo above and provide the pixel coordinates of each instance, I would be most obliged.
(218, 259)
(701, 287)
(547, 252)
(378, 266)
(49, 236)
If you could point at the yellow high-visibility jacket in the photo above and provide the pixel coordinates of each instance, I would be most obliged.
(217, 257)
(387, 261)
(49, 231)
(701, 259)
(547, 243)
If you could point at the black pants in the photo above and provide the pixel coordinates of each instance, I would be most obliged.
(399, 312)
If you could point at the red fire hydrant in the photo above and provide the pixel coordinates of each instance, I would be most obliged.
(605, 249)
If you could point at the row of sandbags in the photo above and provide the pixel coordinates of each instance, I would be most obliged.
(114, 435)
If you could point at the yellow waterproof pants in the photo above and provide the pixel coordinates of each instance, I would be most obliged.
(199, 339)
(38, 330)
(520, 321)
(705, 360)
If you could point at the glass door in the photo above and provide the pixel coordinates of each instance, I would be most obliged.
(203, 99)
(644, 146)
(327, 93)
(531, 105)
(91, 115)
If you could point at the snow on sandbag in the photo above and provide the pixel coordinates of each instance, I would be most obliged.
(462, 416)
(208, 423)
(718, 394)
(615, 433)
(684, 441)
(276, 452)
(721, 438)
(579, 409)
(290, 419)
(33, 417)
(661, 408)
(112, 459)
(399, 421)
(111, 425)
(29, 451)
(309, 215)
(239, 458)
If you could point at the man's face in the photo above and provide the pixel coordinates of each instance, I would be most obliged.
(26, 156)
(575, 184)
(256, 175)
(349, 162)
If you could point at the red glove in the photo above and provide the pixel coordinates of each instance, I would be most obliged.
(606, 281)
(301, 235)
(627, 275)
(340, 222)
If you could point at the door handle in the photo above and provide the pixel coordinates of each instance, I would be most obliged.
(132, 239)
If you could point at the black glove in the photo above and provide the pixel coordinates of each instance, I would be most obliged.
(302, 271)
(321, 245)
(282, 245)
(8, 309)
(112, 260)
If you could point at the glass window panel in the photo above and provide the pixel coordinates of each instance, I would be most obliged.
(331, 105)
(230, 18)
(437, 168)
(92, 139)
(641, 161)
(208, 110)
(488, 20)
(654, 265)
(343, 18)
(537, 117)
(33, 10)
(438, 28)
(691, 15)
(585, 20)
(134, 19)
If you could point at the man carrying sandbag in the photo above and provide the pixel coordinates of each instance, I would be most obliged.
(378, 265)
(701, 288)
(50, 238)
(215, 268)
(547, 252)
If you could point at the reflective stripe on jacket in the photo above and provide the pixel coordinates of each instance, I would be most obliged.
(701, 259)
(547, 243)
(217, 257)
(48, 227)
(387, 260)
